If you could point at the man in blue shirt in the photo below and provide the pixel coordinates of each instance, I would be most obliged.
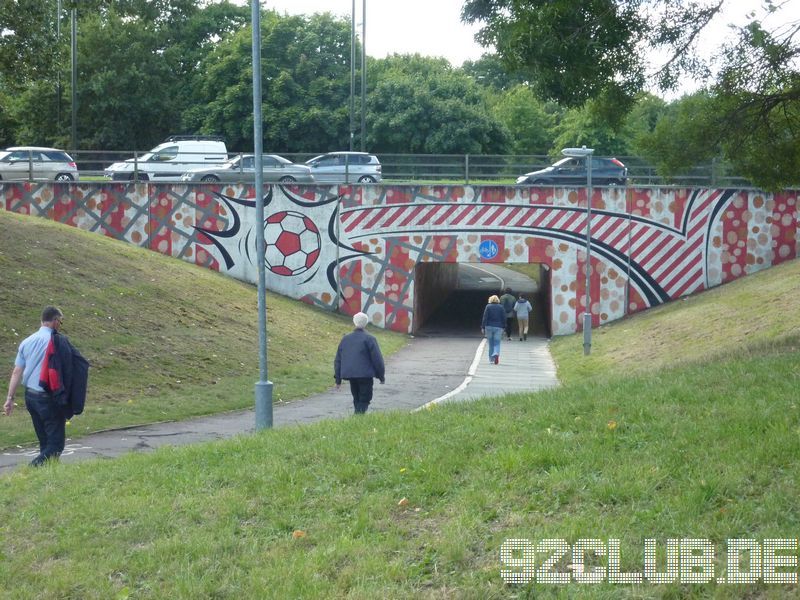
(48, 418)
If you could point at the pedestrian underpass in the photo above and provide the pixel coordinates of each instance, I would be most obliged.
(451, 297)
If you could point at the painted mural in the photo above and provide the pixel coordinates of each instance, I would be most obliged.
(356, 247)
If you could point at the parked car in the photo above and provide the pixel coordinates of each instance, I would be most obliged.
(345, 167)
(170, 160)
(572, 171)
(33, 162)
(243, 168)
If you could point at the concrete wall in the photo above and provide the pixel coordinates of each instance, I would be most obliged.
(433, 282)
(357, 247)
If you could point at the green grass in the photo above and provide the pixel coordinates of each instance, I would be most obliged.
(659, 434)
(747, 315)
(166, 339)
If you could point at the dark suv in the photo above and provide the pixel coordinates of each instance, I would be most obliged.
(572, 171)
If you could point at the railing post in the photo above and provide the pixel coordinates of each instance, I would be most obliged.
(466, 168)
(135, 166)
(30, 165)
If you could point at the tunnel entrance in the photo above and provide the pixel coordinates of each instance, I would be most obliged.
(450, 297)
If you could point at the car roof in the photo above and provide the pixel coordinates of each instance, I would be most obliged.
(40, 148)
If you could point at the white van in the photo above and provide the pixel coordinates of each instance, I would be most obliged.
(168, 161)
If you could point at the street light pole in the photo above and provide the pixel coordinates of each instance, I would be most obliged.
(74, 61)
(363, 75)
(352, 73)
(263, 392)
(586, 153)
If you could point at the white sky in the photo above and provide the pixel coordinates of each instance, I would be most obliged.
(427, 27)
(434, 27)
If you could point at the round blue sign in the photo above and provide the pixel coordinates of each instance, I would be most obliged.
(488, 249)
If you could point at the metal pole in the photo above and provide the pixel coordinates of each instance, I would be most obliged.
(364, 75)
(74, 32)
(587, 316)
(58, 68)
(263, 386)
(352, 73)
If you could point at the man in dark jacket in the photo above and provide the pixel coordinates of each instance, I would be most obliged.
(508, 301)
(359, 360)
(54, 375)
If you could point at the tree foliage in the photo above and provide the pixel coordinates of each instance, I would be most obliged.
(594, 53)
(28, 49)
(530, 122)
(306, 83)
(422, 105)
(569, 50)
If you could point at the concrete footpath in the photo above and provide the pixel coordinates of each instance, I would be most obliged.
(429, 370)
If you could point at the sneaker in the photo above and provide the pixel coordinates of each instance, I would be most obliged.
(497, 359)
(520, 339)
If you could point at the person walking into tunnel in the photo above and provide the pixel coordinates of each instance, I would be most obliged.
(523, 309)
(508, 301)
(359, 360)
(492, 325)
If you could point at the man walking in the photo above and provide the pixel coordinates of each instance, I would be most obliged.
(54, 375)
(359, 360)
(508, 301)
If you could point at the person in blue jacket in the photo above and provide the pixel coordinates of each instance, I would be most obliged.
(359, 360)
(492, 326)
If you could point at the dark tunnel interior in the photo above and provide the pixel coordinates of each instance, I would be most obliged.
(460, 308)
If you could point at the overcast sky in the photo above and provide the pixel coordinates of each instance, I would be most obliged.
(434, 27)
(428, 27)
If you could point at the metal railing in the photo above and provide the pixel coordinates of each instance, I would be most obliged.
(500, 169)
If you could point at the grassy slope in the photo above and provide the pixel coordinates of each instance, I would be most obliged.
(166, 339)
(662, 435)
(748, 315)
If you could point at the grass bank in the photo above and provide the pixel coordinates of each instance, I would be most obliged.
(678, 439)
(166, 339)
(747, 316)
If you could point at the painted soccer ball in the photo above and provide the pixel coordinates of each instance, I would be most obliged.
(292, 243)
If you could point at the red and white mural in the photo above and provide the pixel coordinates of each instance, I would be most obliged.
(357, 246)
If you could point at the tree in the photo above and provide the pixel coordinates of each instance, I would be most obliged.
(529, 121)
(422, 105)
(575, 51)
(569, 50)
(489, 71)
(305, 82)
(28, 50)
(137, 65)
(589, 125)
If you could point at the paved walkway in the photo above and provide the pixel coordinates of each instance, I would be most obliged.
(429, 370)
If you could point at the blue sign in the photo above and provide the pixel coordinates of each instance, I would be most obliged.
(488, 249)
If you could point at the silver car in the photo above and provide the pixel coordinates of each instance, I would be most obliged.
(242, 169)
(33, 162)
(345, 167)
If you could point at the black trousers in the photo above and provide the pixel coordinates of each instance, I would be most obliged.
(509, 323)
(361, 388)
(48, 422)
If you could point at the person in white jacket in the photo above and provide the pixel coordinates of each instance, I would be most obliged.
(523, 309)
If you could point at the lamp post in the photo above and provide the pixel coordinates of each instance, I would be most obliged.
(352, 73)
(74, 78)
(586, 153)
(263, 391)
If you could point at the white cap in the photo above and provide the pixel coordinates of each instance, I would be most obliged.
(360, 320)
